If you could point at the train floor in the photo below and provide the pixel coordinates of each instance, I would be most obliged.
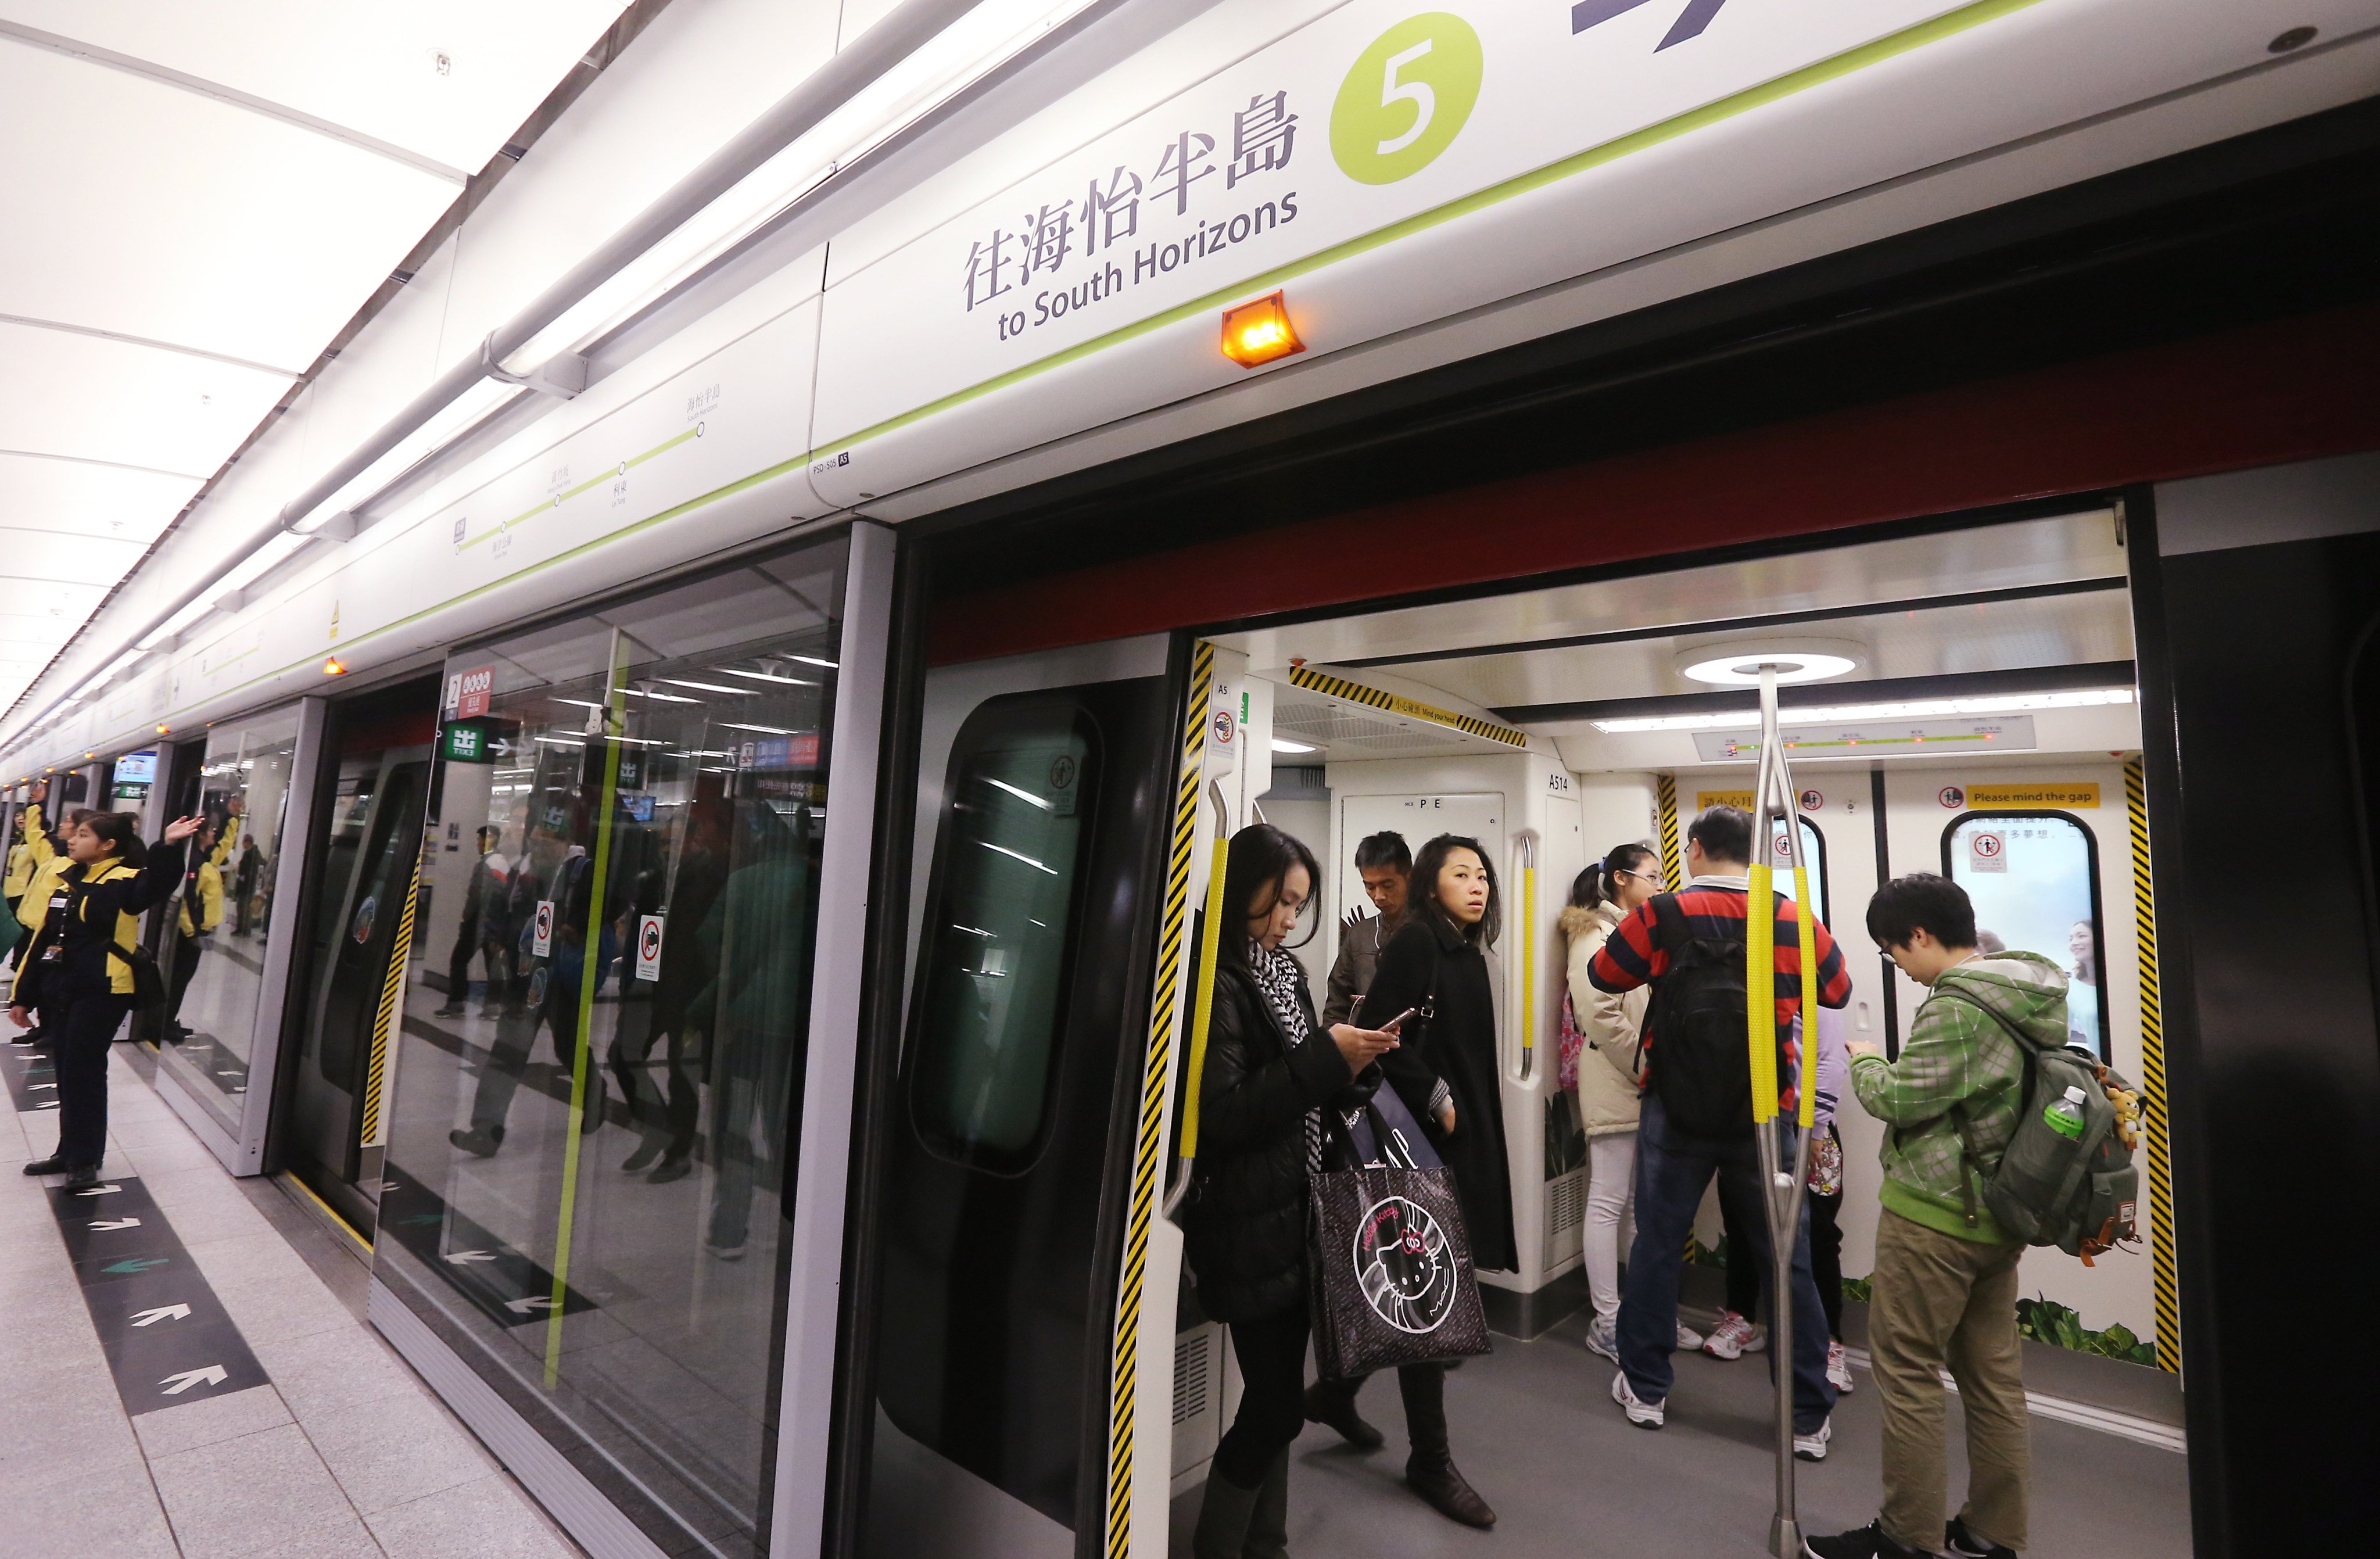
(186, 1371)
(1535, 1430)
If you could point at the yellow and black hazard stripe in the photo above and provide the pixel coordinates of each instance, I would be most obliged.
(2169, 1305)
(1412, 708)
(1149, 1149)
(392, 992)
(1666, 789)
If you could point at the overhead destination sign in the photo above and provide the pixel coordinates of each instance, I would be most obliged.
(1348, 133)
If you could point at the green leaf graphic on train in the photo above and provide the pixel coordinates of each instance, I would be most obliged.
(1406, 98)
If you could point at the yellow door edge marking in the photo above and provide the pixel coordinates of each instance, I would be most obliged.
(392, 993)
(1412, 708)
(1149, 1149)
(1665, 787)
(2168, 1291)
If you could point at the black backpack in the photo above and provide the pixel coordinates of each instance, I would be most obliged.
(1699, 1063)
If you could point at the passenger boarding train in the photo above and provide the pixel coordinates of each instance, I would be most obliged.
(715, 864)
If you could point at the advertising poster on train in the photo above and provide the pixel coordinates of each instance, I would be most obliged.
(2032, 883)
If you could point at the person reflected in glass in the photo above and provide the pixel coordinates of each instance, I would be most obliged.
(244, 879)
(674, 1019)
(1436, 968)
(1271, 1067)
(760, 930)
(201, 911)
(2083, 988)
(483, 898)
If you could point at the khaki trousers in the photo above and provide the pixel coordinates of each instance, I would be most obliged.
(1941, 1302)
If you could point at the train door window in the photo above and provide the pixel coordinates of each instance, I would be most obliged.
(215, 929)
(1814, 856)
(994, 964)
(2033, 878)
(605, 1016)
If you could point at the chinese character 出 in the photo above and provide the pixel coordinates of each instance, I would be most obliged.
(1262, 135)
(1178, 168)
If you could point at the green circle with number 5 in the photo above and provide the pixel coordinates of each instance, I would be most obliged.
(1406, 98)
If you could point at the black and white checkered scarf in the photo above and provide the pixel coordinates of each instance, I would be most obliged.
(1280, 976)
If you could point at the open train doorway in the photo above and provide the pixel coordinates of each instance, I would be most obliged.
(1983, 725)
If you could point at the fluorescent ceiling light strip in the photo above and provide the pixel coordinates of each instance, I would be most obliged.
(1024, 796)
(765, 676)
(1003, 849)
(1910, 709)
(764, 730)
(706, 686)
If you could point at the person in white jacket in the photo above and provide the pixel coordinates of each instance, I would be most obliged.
(1610, 1073)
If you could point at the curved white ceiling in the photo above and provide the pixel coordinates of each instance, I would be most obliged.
(197, 199)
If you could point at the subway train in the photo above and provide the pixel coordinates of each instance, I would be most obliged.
(716, 862)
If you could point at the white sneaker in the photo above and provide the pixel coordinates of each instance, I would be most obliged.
(1733, 1337)
(1839, 1368)
(1688, 1338)
(1642, 1414)
(1812, 1447)
(1603, 1337)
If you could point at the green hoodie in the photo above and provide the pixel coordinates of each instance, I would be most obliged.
(1960, 1066)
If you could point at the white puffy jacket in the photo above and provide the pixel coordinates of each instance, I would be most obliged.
(1609, 1072)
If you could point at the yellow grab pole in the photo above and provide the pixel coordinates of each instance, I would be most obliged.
(1529, 954)
(1760, 991)
(1202, 996)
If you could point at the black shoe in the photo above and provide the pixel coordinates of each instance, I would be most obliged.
(478, 1143)
(1868, 1542)
(671, 1169)
(51, 1165)
(27, 1037)
(78, 1178)
(452, 1009)
(592, 1119)
(643, 1157)
(1337, 1409)
(1437, 1481)
(1960, 1543)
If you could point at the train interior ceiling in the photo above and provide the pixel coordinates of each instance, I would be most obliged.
(1985, 727)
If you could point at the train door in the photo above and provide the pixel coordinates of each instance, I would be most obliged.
(359, 920)
(1044, 802)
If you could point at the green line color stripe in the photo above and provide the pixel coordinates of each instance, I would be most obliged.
(1761, 96)
(1356, 692)
(611, 473)
(1148, 1152)
(2162, 1281)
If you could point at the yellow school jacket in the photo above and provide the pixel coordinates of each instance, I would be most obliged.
(209, 890)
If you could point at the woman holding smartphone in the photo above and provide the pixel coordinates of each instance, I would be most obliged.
(78, 972)
(1271, 1068)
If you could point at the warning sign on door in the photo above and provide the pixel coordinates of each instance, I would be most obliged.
(541, 930)
(648, 947)
(1987, 852)
(2072, 794)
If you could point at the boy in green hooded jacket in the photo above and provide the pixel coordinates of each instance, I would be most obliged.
(1945, 1281)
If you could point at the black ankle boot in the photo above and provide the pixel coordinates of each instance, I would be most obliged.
(1333, 1402)
(1430, 1471)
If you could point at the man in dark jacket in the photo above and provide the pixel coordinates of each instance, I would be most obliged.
(1384, 862)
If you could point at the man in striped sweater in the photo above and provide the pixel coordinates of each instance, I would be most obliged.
(1703, 923)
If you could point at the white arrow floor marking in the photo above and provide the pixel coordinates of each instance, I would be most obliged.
(212, 1375)
(96, 1191)
(472, 1256)
(524, 1307)
(115, 1223)
(163, 1312)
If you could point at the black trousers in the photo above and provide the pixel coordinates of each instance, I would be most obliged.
(1825, 1261)
(1272, 1351)
(81, 1029)
(681, 1106)
(185, 968)
(1423, 1386)
(458, 963)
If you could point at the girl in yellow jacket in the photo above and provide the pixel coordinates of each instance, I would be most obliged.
(78, 970)
(202, 912)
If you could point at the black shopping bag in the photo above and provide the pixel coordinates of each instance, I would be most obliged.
(1388, 1259)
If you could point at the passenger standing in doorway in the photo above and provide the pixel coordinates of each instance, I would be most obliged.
(78, 973)
(201, 911)
(1436, 967)
(1384, 863)
(1610, 1074)
(1945, 1284)
(1683, 944)
(1270, 1070)
(51, 859)
(20, 855)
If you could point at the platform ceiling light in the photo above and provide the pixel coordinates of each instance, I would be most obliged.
(1906, 709)
(1258, 333)
(1740, 666)
(1282, 744)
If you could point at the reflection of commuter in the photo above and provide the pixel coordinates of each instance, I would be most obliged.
(484, 891)
(83, 986)
(1446, 1074)
(761, 931)
(252, 866)
(1945, 1281)
(564, 986)
(1383, 862)
(672, 1017)
(202, 911)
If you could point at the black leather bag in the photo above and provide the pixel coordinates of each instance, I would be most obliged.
(1387, 1260)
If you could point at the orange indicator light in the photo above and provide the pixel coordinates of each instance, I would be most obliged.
(1258, 333)
(332, 668)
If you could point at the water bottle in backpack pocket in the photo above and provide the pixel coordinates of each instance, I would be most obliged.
(2067, 1176)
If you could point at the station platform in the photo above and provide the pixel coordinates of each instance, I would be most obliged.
(186, 1370)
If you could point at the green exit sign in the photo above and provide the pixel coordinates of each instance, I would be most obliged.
(467, 743)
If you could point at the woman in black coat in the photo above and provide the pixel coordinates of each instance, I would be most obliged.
(1270, 1068)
